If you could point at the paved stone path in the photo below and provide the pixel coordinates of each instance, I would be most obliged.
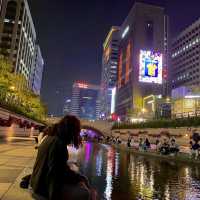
(16, 161)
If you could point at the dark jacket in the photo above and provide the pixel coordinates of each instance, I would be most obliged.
(50, 171)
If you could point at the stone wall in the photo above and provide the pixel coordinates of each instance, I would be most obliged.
(14, 130)
(182, 135)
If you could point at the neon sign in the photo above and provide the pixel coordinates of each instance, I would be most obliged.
(151, 68)
(82, 85)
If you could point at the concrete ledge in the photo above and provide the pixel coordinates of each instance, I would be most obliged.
(181, 157)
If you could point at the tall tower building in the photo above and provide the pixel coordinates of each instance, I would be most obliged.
(67, 107)
(141, 57)
(109, 73)
(85, 104)
(37, 72)
(18, 36)
(185, 59)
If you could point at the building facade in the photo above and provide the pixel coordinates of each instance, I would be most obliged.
(109, 73)
(67, 107)
(18, 36)
(185, 59)
(186, 102)
(85, 104)
(37, 71)
(141, 57)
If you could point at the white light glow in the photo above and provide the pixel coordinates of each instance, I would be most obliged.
(6, 20)
(192, 97)
(137, 120)
(113, 100)
(150, 102)
(125, 31)
(196, 41)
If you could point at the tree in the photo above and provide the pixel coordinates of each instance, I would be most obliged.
(15, 95)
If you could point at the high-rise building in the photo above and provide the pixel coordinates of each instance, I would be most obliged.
(85, 104)
(142, 51)
(185, 62)
(67, 107)
(37, 72)
(109, 72)
(18, 36)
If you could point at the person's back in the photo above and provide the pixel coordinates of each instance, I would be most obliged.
(195, 146)
(49, 168)
(52, 178)
(148, 145)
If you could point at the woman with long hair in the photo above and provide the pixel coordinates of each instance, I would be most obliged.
(52, 178)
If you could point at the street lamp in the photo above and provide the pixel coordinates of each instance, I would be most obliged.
(12, 88)
(143, 110)
(168, 99)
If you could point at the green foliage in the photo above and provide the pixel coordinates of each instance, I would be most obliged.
(15, 95)
(164, 123)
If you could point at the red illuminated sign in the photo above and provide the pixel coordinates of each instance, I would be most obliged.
(82, 85)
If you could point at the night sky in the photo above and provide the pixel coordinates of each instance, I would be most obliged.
(71, 34)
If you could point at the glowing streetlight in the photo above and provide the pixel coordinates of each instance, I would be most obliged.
(168, 99)
(12, 88)
(143, 110)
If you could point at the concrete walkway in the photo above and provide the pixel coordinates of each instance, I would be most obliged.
(16, 161)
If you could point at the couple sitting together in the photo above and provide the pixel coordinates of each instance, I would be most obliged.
(52, 178)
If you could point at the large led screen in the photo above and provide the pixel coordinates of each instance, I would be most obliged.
(150, 67)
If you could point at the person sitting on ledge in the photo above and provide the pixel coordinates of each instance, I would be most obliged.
(108, 139)
(141, 145)
(129, 142)
(174, 149)
(165, 148)
(118, 139)
(195, 150)
(158, 145)
(132, 142)
(146, 145)
(52, 178)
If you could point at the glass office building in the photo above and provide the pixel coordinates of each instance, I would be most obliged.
(85, 104)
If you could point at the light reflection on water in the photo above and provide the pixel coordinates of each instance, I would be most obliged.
(121, 175)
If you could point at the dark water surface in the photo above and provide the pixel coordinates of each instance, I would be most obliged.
(121, 175)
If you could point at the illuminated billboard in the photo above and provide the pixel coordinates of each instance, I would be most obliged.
(150, 67)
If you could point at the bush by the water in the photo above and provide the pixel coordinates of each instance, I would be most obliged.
(173, 123)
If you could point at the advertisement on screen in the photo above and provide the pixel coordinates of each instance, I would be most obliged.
(150, 67)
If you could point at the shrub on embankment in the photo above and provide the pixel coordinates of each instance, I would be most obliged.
(173, 123)
(16, 96)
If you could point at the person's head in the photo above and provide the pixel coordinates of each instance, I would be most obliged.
(173, 141)
(41, 128)
(68, 129)
(48, 131)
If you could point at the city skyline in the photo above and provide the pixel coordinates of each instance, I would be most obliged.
(59, 58)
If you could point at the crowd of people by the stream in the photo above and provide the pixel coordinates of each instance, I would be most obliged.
(163, 146)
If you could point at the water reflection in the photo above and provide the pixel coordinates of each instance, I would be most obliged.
(123, 176)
